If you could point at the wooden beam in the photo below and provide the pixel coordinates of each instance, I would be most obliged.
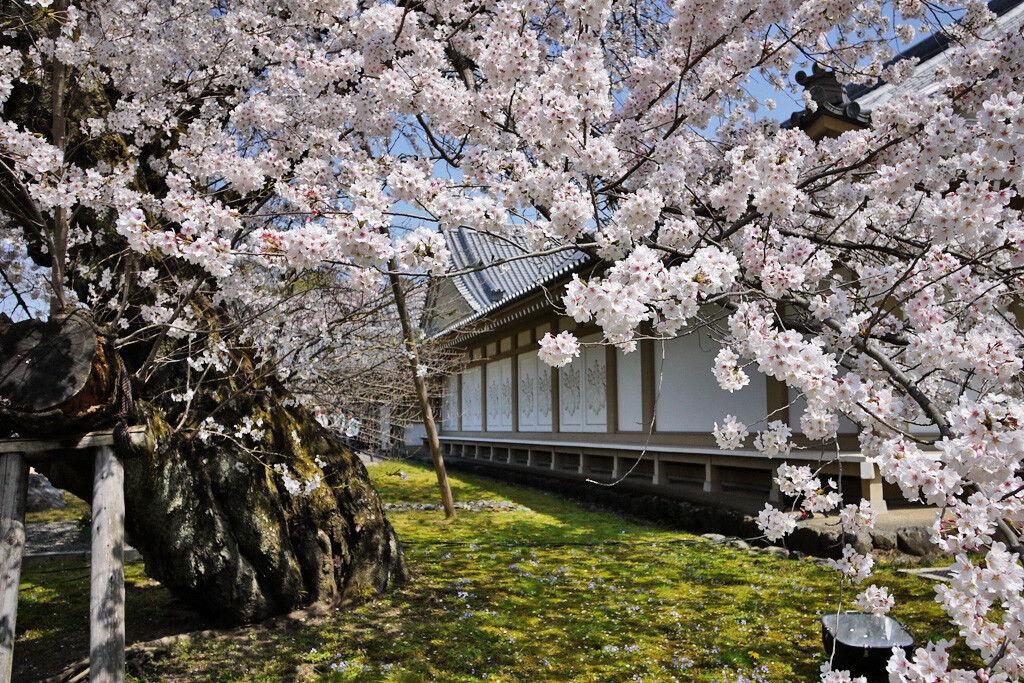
(106, 601)
(611, 384)
(13, 487)
(648, 385)
(38, 447)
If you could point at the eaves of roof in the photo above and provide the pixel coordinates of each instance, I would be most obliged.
(580, 262)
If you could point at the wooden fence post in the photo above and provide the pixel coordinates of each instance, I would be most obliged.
(106, 602)
(13, 487)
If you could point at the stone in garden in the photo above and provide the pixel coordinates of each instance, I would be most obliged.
(861, 542)
(914, 540)
(883, 539)
(738, 544)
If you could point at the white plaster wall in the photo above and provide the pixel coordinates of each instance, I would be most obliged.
(545, 396)
(628, 383)
(414, 435)
(450, 403)
(499, 395)
(527, 391)
(472, 416)
(689, 399)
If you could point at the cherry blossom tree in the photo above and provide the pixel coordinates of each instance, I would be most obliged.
(876, 273)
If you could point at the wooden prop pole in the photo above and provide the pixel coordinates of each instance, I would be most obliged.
(106, 602)
(13, 486)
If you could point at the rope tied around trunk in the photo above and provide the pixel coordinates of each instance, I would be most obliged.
(126, 411)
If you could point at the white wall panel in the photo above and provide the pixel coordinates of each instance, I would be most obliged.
(499, 395)
(472, 416)
(628, 384)
(582, 392)
(544, 396)
(595, 389)
(570, 396)
(527, 387)
(450, 403)
(690, 399)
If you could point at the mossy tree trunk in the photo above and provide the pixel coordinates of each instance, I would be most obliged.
(218, 528)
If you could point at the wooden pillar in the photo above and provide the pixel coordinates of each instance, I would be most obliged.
(13, 486)
(106, 603)
(871, 487)
(611, 381)
(775, 494)
(712, 477)
(648, 384)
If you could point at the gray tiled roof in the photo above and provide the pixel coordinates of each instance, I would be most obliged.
(500, 278)
(499, 282)
(928, 47)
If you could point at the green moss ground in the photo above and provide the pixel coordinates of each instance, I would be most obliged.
(75, 509)
(559, 592)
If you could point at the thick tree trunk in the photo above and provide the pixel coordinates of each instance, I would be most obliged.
(217, 527)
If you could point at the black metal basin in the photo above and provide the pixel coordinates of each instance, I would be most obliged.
(863, 642)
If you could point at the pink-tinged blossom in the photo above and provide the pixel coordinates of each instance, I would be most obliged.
(727, 371)
(558, 350)
(775, 523)
(829, 675)
(731, 434)
(875, 274)
(853, 565)
(874, 599)
(855, 518)
(774, 439)
(423, 248)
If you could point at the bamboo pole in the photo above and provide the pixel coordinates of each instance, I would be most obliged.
(106, 602)
(13, 488)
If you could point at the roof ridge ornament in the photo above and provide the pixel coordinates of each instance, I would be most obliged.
(831, 98)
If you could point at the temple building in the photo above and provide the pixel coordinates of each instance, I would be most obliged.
(646, 417)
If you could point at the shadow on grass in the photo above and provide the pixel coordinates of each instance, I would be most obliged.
(53, 616)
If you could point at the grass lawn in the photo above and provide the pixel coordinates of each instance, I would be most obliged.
(75, 510)
(559, 592)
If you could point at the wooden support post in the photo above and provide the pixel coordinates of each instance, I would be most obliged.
(712, 477)
(13, 486)
(775, 493)
(871, 487)
(106, 603)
